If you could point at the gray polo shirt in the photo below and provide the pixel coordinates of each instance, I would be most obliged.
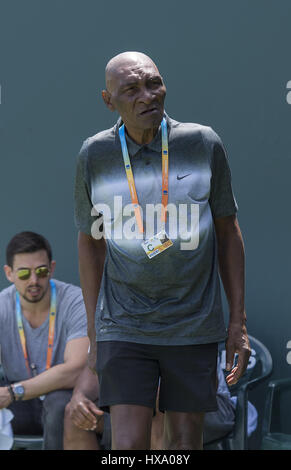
(173, 298)
(71, 323)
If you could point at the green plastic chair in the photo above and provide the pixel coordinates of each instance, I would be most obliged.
(259, 369)
(274, 440)
(27, 442)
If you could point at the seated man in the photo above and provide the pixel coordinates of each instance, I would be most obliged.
(43, 340)
(87, 429)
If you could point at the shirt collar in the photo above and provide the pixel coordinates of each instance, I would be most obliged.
(155, 144)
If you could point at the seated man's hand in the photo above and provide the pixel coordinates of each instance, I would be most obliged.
(85, 414)
(5, 397)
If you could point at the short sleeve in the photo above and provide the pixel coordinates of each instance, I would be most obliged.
(222, 200)
(76, 319)
(83, 205)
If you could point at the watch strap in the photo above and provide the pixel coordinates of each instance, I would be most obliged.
(10, 389)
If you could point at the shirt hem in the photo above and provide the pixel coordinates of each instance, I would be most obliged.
(168, 341)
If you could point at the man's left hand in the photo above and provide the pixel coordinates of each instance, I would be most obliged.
(237, 342)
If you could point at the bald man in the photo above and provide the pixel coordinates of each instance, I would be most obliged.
(157, 221)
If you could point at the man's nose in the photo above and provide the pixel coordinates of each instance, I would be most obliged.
(146, 96)
(33, 277)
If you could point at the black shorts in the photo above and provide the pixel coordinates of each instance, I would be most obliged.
(130, 373)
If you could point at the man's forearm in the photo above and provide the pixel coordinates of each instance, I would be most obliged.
(232, 271)
(59, 377)
(232, 268)
(91, 264)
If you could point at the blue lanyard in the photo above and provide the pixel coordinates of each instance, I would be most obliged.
(52, 318)
(130, 178)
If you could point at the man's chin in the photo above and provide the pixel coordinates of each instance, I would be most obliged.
(34, 299)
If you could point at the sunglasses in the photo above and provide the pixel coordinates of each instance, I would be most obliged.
(25, 273)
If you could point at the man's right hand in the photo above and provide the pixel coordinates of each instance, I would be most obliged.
(85, 414)
(5, 397)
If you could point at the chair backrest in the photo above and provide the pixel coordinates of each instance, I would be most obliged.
(27, 442)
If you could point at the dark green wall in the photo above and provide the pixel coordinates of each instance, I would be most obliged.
(226, 64)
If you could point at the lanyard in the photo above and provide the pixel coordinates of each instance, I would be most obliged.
(52, 319)
(130, 178)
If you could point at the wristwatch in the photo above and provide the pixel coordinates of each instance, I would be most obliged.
(18, 391)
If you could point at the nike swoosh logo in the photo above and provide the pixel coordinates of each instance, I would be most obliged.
(181, 177)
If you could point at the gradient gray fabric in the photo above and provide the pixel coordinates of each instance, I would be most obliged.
(174, 298)
(71, 323)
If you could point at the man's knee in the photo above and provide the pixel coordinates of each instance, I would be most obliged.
(54, 406)
(184, 431)
(128, 441)
(68, 411)
(182, 442)
(68, 423)
(131, 427)
(70, 430)
(56, 402)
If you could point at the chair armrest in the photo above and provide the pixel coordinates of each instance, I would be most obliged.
(273, 387)
(266, 373)
(280, 384)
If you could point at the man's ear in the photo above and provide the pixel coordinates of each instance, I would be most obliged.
(52, 267)
(107, 100)
(8, 273)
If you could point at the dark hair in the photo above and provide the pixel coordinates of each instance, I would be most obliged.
(26, 242)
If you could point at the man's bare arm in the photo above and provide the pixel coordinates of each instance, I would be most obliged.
(92, 254)
(58, 377)
(232, 270)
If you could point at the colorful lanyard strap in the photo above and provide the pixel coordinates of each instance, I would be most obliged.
(52, 319)
(130, 178)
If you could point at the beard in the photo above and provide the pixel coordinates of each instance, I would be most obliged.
(37, 298)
